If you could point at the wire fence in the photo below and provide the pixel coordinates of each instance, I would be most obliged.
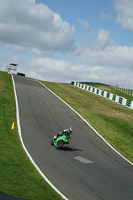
(126, 91)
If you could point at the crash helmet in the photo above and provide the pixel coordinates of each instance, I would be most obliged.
(71, 129)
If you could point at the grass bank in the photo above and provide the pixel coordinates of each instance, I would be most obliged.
(113, 121)
(18, 177)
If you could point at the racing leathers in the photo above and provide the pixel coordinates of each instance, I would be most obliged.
(66, 132)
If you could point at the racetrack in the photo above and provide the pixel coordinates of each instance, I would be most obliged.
(87, 168)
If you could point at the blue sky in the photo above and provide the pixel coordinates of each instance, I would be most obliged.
(91, 12)
(64, 41)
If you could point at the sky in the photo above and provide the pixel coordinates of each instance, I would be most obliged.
(69, 40)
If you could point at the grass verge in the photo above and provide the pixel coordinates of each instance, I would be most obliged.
(18, 177)
(113, 121)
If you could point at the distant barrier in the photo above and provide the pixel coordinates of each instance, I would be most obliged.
(108, 95)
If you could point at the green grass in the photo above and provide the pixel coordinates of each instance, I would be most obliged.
(113, 90)
(113, 121)
(18, 177)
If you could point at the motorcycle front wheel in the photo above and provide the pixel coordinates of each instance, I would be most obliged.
(59, 144)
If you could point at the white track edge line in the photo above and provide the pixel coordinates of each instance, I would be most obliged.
(31, 159)
(88, 124)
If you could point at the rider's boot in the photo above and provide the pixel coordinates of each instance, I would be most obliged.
(55, 137)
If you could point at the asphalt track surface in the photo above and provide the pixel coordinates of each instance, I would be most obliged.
(87, 168)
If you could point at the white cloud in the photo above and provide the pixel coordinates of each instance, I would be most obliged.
(124, 10)
(105, 15)
(105, 53)
(84, 23)
(49, 69)
(109, 62)
(14, 47)
(42, 53)
(103, 38)
(27, 24)
(115, 56)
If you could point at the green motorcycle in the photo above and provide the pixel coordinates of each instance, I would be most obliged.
(59, 141)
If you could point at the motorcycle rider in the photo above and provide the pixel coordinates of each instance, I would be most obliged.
(66, 132)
